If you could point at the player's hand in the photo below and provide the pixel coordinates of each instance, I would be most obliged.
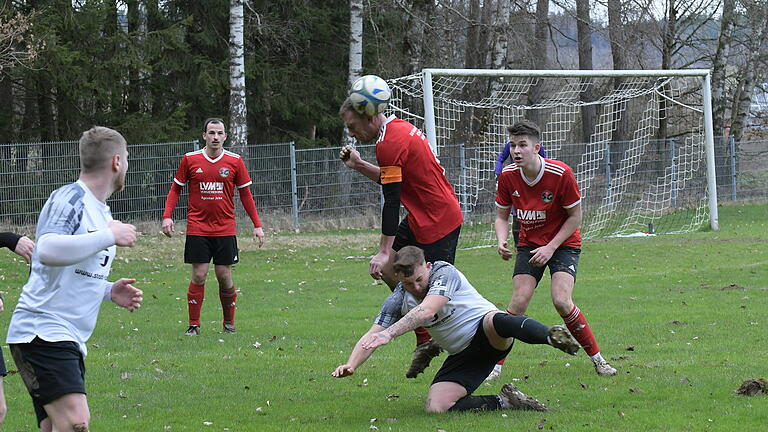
(125, 234)
(168, 227)
(377, 264)
(342, 371)
(127, 295)
(375, 340)
(350, 156)
(504, 251)
(24, 248)
(541, 255)
(258, 234)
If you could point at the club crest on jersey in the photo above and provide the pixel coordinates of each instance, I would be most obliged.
(224, 172)
(547, 196)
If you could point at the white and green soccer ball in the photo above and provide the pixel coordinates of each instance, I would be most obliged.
(370, 95)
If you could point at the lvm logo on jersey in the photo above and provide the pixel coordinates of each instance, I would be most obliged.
(211, 187)
(531, 215)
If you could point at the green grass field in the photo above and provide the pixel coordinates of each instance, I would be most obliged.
(682, 318)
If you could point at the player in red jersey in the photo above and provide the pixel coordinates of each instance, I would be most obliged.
(546, 197)
(213, 174)
(409, 173)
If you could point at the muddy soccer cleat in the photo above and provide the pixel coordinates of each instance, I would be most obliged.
(512, 398)
(229, 328)
(562, 340)
(193, 330)
(603, 368)
(422, 355)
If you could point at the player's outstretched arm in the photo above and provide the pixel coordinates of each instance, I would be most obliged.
(359, 355)
(64, 250)
(124, 294)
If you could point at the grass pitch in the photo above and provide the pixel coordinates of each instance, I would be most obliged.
(683, 318)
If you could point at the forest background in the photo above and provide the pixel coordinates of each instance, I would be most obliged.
(278, 71)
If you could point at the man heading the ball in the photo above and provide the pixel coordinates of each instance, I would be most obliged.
(473, 331)
(409, 174)
(213, 174)
(546, 197)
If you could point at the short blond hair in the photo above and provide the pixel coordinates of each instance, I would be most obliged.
(97, 146)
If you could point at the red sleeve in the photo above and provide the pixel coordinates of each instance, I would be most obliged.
(571, 195)
(502, 191)
(242, 178)
(250, 206)
(172, 200)
(182, 172)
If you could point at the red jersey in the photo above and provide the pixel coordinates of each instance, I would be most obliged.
(212, 183)
(540, 203)
(404, 156)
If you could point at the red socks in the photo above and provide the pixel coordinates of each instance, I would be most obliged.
(579, 328)
(228, 304)
(195, 302)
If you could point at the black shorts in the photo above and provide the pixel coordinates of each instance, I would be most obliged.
(441, 250)
(200, 249)
(49, 370)
(3, 370)
(471, 366)
(565, 259)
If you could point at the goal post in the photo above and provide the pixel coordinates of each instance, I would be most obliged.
(646, 166)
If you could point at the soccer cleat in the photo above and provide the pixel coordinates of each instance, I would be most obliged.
(193, 330)
(562, 340)
(229, 328)
(603, 368)
(422, 355)
(495, 373)
(512, 398)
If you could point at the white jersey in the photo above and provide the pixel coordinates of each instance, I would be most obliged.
(62, 303)
(456, 323)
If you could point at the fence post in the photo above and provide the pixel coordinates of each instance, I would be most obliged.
(673, 163)
(294, 187)
(608, 173)
(463, 179)
(732, 148)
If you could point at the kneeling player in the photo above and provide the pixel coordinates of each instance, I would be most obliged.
(438, 297)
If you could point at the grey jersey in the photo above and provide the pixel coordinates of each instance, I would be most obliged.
(454, 326)
(62, 303)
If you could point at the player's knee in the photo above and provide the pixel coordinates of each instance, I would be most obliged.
(563, 306)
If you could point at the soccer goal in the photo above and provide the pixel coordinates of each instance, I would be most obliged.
(640, 142)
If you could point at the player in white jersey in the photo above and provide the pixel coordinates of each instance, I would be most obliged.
(57, 310)
(471, 329)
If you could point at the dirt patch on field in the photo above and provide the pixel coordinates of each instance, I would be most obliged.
(752, 387)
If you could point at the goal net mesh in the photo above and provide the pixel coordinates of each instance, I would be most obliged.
(635, 143)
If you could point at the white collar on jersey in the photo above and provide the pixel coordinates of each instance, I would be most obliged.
(538, 176)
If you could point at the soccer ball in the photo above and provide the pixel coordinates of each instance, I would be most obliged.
(370, 95)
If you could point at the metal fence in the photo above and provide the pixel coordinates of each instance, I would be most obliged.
(298, 188)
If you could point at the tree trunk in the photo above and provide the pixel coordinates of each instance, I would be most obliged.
(238, 111)
(668, 45)
(501, 42)
(416, 33)
(584, 34)
(751, 75)
(540, 57)
(618, 47)
(472, 50)
(718, 67)
(355, 52)
(136, 30)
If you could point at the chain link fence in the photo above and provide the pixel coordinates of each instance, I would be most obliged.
(307, 189)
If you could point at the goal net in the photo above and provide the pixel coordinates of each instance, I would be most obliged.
(638, 141)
